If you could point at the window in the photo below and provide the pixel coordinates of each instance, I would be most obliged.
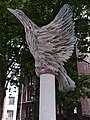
(29, 80)
(10, 114)
(29, 112)
(11, 100)
(30, 94)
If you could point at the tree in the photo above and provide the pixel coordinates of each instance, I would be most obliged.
(14, 53)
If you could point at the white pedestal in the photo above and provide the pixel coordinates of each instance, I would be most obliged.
(47, 105)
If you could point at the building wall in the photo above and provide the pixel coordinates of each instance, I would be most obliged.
(85, 106)
(10, 103)
(28, 107)
(83, 67)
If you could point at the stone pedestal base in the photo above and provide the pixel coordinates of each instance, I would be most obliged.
(47, 108)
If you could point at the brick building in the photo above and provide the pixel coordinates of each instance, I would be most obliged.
(83, 67)
(28, 101)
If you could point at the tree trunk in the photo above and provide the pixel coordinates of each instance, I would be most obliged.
(2, 86)
(2, 95)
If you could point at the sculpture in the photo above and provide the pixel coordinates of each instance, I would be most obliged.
(51, 45)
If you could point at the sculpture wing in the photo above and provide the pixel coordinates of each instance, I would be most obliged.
(57, 38)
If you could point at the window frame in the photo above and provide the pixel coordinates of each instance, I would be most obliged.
(11, 100)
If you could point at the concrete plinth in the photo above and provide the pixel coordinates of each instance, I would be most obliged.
(47, 105)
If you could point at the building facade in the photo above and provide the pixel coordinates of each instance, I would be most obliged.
(28, 102)
(10, 102)
(83, 67)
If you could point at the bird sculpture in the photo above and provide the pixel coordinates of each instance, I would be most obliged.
(51, 45)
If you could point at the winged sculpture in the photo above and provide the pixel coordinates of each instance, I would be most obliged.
(51, 45)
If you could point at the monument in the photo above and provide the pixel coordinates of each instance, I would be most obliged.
(51, 46)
